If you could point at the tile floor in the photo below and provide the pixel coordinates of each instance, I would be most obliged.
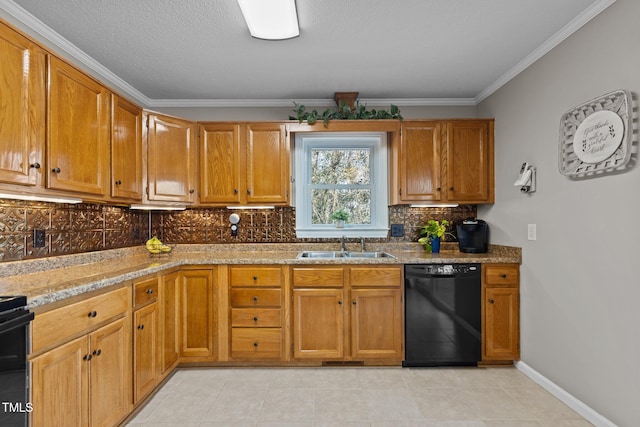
(354, 397)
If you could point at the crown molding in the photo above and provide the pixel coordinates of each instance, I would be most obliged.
(564, 33)
(60, 45)
(247, 103)
(32, 25)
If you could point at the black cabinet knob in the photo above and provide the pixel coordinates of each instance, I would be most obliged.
(340, 302)
(118, 182)
(255, 344)
(192, 191)
(149, 291)
(35, 165)
(255, 299)
(504, 276)
(97, 352)
(92, 314)
(55, 170)
(491, 301)
(87, 357)
(255, 277)
(248, 191)
(255, 319)
(140, 327)
(235, 191)
(450, 188)
(438, 189)
(354, 302)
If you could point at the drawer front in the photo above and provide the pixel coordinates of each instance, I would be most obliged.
(145, 292)
(256, 317)
(372, 277)
(255, 297)
(318, 277)
(502, 275)
(255, 276)
(256, 343)
(65, 322)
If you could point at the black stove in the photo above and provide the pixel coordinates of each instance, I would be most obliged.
(14, 369)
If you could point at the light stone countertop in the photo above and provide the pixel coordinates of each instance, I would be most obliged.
(53, 279)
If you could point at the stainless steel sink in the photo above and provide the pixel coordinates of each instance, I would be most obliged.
(369, 255)
(339, 254)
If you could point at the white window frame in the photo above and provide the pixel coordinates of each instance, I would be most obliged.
(374, 141)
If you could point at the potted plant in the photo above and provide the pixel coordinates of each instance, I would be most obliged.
(340, 217)
(433, 232)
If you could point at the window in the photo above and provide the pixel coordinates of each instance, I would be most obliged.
(345, 171)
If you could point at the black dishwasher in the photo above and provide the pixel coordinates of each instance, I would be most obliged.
(442, 315)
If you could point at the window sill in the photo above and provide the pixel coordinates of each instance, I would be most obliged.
(339, 232)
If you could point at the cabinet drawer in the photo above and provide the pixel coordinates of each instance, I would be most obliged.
(145, 291)
(373, 277)
(501, 275)
(251, 297)
(317, 277)
(255, 276)
(256, 343)
(255, 317)
(68, 321)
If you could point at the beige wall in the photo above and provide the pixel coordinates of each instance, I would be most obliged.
(580, 279)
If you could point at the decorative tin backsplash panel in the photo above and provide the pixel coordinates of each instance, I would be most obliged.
(92, 227)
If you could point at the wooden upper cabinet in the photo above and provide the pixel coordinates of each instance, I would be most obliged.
(244, 164)
(78, 131)
(171, 161)
(126, 149)
(22, 108)
(220, 163)
(419, 162)
(267, 154)
(469, 161)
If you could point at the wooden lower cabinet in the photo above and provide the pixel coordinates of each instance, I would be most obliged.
(85, 382)
(196, 312)
(169, 321)
(501, 312)
(375, 318)
(370, 330)
(318, 323)
(145, 350)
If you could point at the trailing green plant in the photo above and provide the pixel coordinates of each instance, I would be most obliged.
(431, 230)
(343, 112)
(340, 215)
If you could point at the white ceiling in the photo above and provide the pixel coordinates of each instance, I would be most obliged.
(199, 52)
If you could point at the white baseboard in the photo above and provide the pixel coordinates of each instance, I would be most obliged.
(571, 401)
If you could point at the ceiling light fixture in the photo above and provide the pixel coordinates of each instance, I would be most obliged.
(271, 19)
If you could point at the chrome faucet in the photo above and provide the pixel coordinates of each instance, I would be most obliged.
(343, 248)
(361, 244)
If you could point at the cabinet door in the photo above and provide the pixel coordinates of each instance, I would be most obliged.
(197, 313)
(170, 320)
(318, 324)
(267, 154)
(501, 324)
(469, 169)
(126, 149)
(22, 108)
(110, 373)
(220, 163)
(60, 386)
(420, 162)
(376, 324)
(145, 356)
(78, 132)
(171, 161)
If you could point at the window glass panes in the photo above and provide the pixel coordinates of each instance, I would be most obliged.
(340, 166)
(325, 201)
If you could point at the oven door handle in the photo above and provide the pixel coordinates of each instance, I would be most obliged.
(17, 322)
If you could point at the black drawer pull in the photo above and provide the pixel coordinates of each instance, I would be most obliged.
(255, 344)
(503, 275)
(255, 277)
(255, 319)
(87, 357)
(35, 165)
(255, 299)
(149, 291)
(118, 182)
(140, 327)
(92, 314)
(491, 301)
(97, 352)
(55, 170)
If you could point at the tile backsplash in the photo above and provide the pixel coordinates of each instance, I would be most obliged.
(92, 227)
